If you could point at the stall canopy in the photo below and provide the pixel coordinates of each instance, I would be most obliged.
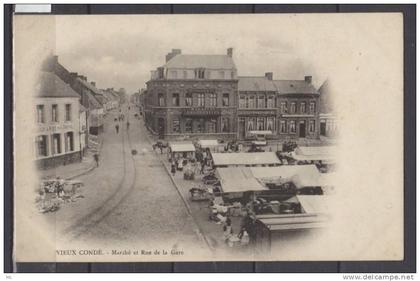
(243, 158)
(182, 147)
(238, 179)
(313, 204)
(328, 179)
(314, 153)
(208, 143)
(260, 132)
(300, 175)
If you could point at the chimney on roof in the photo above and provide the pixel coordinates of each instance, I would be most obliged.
(230, 52)
(93, 83)
(73, 75)
(269, 75)
(172, 54)
(308, 79)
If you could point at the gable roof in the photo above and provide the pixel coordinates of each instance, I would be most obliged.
(89, 86)
(50, 85)
(93, 102)
(205, 61)
(294, 87)
(253, 84)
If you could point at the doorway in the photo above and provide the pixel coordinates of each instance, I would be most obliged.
(241, 128)
(161, 128)
(323, 129)
(302, 129)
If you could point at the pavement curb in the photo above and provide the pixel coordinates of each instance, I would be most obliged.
(89, 169)
(199, 232)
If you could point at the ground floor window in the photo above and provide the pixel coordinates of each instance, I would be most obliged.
(69, 141)
(188, 125)
(283, 126)
(312, 126)
(176, 126)
(211, 126)
(56, 143)
(260, 123)
(270, 123)
(225, 125)
(250, 125)
(292, 127)
(199, 126)
(41, 146)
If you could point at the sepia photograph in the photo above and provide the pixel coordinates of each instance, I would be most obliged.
(235, 137)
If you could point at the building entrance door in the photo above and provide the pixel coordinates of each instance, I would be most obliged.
(161, 128)
(323, 129)
(302, 129)
(241, 128)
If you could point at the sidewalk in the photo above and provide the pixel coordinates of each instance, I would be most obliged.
(76, 169)
(212, 232)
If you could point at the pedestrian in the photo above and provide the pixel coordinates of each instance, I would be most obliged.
(173, 169)
(117, 128)
(96, 157)
(203, 165)
(128, 125)
(227, 230)
(161, 149)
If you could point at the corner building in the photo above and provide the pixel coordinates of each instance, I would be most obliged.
(194, 95)
(287, 108)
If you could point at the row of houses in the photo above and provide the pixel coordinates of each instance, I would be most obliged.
(69, 114)
(203, 96)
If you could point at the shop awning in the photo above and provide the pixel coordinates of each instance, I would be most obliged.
(260, 132)
(208, 143)
(314, 153)
(313, 204)
(243, 158)
(300, 175)
(238, 179)
(182, 147)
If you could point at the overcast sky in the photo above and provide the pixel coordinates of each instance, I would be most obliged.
(120, 51)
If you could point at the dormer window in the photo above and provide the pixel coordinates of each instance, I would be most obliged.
(199, 73)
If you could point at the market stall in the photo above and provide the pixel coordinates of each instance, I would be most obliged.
(314, 153)
(211, 145)
(303, 177)
(314, 214)
(245, 159)
(234, 181)
(184, 150)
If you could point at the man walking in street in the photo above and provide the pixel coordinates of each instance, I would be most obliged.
(96, 157)
(128, 125)
(117, 128)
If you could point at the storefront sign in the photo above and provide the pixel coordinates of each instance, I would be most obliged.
(201, 112)
(256, 113)
(55, 128)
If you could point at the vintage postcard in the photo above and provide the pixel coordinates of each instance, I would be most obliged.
(252, 137)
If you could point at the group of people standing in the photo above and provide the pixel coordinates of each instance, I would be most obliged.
(121, 118)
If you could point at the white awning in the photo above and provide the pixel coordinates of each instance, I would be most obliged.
(238, 179)
(182, 147)
(208, 143)
(260, 132)
(314, 204)
(300, 175)
(243, 158)
(314, 153)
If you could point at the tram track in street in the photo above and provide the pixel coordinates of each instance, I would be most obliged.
(125, 186)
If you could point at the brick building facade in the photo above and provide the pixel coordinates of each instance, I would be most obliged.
(287, 108)
(202, 96)
(194, 95)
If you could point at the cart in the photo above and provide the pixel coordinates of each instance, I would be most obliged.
(200, 194)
